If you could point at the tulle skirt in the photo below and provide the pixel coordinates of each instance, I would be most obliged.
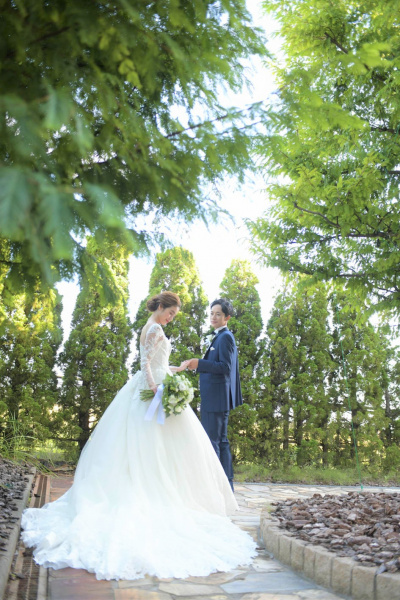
(147, 499)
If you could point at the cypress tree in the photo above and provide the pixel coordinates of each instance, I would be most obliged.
(299, 358)
(30, 335)
(239, 285)
(97, 349)
(363, 393)
(175, 270)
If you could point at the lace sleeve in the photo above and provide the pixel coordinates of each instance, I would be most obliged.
(154, 337)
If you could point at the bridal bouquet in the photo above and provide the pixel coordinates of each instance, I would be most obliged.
(174, 394)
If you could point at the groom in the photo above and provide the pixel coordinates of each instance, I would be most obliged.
(219, 383)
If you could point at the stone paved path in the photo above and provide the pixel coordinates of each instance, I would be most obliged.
(265, 579)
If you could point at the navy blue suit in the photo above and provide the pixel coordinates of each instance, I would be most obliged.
(220, 392)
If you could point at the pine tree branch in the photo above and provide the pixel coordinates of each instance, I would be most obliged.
(208, 122)
(343, 49)
(317, 214)
(10, 263)
(336, 43)
(11, 54)
(49, 35)
(383, 129)
(376, 234)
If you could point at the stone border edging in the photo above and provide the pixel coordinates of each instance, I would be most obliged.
(340, 574)
(7, 556)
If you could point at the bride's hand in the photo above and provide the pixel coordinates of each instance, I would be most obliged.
(183, 365)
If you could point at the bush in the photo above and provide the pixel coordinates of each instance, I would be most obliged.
(392, 459)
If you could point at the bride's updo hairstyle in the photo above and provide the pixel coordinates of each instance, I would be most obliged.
(166, 299)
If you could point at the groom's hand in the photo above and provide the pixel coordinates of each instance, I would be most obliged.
(184, 365)
(193, 364)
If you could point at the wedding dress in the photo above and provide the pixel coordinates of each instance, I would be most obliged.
(147, 499)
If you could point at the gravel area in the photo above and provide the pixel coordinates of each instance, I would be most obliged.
(13, 481)
(362, 525)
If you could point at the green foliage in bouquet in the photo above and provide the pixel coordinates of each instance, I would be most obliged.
(176, 395)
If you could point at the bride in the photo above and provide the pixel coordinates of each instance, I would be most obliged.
(147, 499)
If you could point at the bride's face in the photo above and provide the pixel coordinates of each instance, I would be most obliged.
(166, 315)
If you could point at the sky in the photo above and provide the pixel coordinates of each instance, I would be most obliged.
(215, 247)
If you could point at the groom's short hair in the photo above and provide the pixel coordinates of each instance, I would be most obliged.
(226, 306)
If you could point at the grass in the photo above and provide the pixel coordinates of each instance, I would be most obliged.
(252, 472)
(50, 453)
(18, 446)
(15, 444)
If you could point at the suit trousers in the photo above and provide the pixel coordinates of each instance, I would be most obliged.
(216, 426)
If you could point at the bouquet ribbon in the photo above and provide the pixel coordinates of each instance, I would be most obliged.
(156, 403)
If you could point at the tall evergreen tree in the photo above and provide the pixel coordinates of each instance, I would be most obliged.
(390, 382)
(175, 270)
(299, 366)
(239, 285)
(315, 394)
(97, 349)
(30, 335)
(362, 383)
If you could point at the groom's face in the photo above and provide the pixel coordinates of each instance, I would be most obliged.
(217, 317)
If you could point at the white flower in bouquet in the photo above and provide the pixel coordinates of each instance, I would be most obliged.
(176, 394)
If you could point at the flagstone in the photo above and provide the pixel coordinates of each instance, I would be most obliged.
(267, 564)
(131, 583)
(84, 581)
(214, 578)
(269, 597)
(213, 597)
(189, 589)
(267, 582)
(67, 573)
(140, 594)
(318, 594)
(65, 589)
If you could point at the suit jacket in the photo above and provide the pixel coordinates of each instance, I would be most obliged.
(219, 375)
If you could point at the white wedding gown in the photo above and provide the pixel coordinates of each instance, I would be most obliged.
(147, 499)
